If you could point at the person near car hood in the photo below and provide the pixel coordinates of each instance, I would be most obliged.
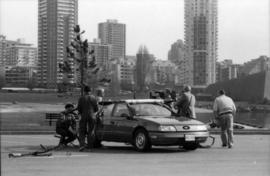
(186, 104)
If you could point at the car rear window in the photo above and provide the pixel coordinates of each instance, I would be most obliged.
(108, 110)
(150, 110)
(120, 109)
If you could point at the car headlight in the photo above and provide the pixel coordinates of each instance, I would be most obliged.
(167, 128)
(200, 127)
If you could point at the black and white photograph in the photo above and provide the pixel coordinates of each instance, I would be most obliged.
(135, 87)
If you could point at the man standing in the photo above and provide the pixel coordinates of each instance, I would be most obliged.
(224, 110)
(186, 103)
(87, 107)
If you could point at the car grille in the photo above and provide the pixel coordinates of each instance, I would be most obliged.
(187, 128)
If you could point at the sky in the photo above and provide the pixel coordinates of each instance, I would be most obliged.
(243, 25)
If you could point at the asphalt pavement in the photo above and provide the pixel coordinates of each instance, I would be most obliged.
(250, 156)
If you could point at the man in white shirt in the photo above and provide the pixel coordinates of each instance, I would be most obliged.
(224, 111)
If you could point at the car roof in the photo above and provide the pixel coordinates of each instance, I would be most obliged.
(132, 101)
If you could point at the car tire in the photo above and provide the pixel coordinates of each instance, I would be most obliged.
(141, 140)
(190, 145)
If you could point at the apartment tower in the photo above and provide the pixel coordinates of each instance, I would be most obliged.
(56, 19)
(113, 33)
(200, 42)
(143, 68)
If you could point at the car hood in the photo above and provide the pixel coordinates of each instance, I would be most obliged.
(170, 120)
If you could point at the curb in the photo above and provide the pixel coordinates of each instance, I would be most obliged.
(245, 132)
(236, 132)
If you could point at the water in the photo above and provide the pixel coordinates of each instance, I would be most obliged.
(258, 119)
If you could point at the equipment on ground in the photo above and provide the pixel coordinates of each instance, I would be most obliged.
(43, 152)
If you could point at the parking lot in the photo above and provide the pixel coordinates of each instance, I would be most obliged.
(250, 156)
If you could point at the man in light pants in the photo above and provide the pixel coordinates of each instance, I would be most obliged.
(224, 111)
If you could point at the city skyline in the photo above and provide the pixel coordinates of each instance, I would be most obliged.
(242, 37)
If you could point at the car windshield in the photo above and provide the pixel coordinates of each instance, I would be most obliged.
(150, 110)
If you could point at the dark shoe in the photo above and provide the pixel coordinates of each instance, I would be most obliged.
(224, 145)
(99, 145)
(230, 146)
(89, 146)
(60, 146)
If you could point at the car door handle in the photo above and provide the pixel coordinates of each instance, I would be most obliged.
(112, 122)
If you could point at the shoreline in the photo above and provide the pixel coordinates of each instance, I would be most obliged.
(8, 107)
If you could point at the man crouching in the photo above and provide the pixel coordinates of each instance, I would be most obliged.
(66, 126)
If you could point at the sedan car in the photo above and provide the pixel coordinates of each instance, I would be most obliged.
(147, 122)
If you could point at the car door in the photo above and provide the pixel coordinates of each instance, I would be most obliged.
(122, 126)
(104, 129)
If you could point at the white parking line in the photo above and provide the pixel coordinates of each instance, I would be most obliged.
(14, 142)
(33, 137)
(59, 156)
(71, 155)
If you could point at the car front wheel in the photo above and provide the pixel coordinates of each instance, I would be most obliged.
(141, 140)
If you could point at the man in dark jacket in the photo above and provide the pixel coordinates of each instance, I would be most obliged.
(186, 103)
(87, 107)
(66, 126)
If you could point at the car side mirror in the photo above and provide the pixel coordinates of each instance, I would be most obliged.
(126, 116)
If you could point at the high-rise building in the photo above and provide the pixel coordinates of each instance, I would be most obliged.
(122, 74)
(164, 72)
(113, 33)
(56, 20)
(177, 55)
(19, 76)
(102, 56)
(102, 53)
(201, 42)
(3, 46)
(5, 50)
(226, 70)
(21, 54)
(229, 72)
(143, 68)
(255, 66)
(17, 53)
(219, 67)
(126, 73)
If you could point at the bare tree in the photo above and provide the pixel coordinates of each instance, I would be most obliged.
(82, 57)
